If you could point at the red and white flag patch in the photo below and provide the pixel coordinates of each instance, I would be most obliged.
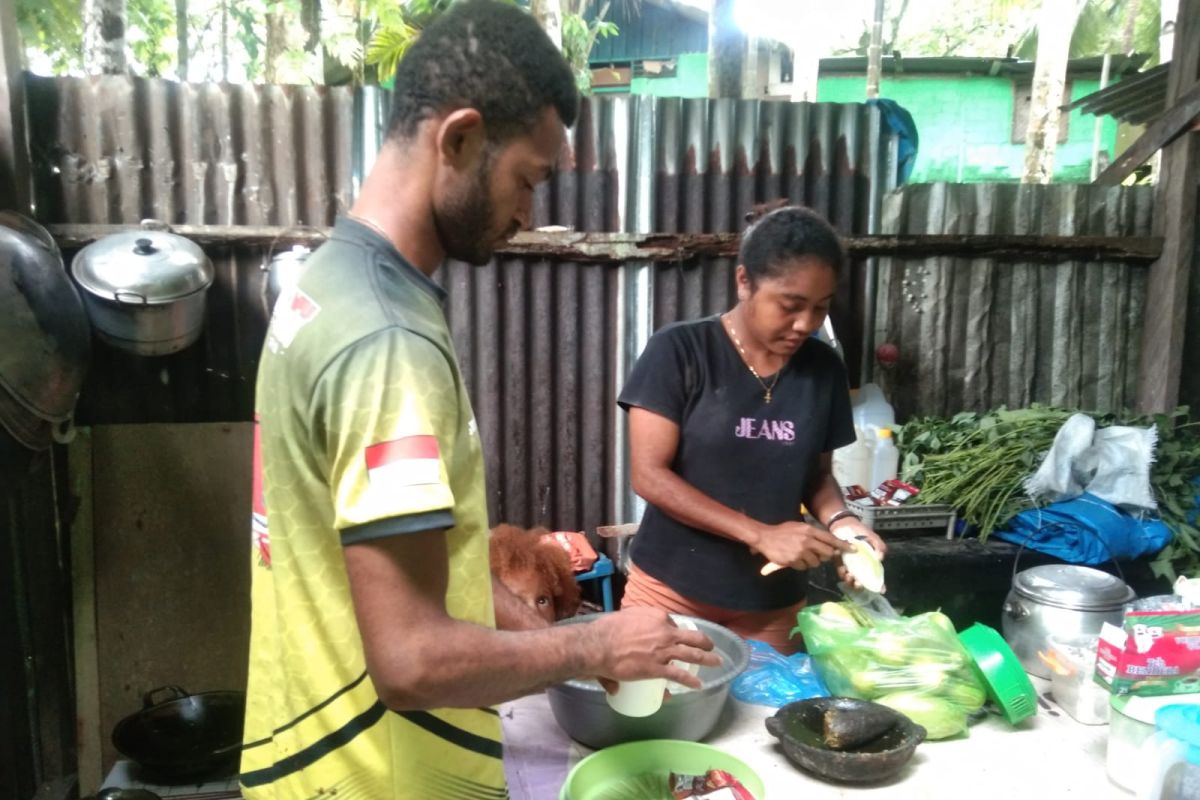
(409, 461)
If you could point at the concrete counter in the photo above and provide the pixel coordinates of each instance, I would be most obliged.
(1049, 756)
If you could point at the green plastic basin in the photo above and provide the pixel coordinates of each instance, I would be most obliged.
(603, 774)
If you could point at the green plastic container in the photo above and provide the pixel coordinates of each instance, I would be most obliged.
(604, 774)
(1001, 672)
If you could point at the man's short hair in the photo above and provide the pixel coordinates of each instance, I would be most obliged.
(485, 55)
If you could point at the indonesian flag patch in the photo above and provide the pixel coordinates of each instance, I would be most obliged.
(410, 461)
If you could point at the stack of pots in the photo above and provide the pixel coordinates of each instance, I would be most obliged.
(145, 289)
(47, 344)
(1060, 600)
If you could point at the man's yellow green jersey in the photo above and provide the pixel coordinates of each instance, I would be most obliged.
(364, 431)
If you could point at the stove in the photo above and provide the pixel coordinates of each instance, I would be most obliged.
(126, 775)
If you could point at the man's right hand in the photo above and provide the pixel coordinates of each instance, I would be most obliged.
(638, 643)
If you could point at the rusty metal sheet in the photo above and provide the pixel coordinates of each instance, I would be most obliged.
(976, 334)
(544, 346)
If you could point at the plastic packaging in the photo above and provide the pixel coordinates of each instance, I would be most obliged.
(775, 680)
(852, 463)
(1172, 755)
(871, 409)
(885, 458)
(1131, 724)
(859, 653)
(1072, 662)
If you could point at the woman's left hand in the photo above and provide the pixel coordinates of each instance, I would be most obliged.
(854, 528)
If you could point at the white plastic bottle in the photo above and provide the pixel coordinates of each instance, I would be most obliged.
(885, 458)
(871, 410)
(852, 463)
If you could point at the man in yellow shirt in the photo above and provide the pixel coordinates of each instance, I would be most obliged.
(375, 658)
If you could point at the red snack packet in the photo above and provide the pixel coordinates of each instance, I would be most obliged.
(576, 545)
(856, 492)
(716, 784)
(893, 492)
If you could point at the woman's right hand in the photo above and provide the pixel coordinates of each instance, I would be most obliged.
(798, 545)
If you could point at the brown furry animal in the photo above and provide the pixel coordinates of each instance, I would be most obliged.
(536, 571)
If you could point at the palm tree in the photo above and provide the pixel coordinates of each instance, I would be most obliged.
(1108, 26)
(399, 24)
(1072, 29)
(104, 36)
(1056, 21)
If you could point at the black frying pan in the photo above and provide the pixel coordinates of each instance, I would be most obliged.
(185, 737)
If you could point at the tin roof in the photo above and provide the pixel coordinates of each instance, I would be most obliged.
(897, 64)
(1138, 99)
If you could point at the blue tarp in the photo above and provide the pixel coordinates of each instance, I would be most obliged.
(902, 124)
(1086, 530)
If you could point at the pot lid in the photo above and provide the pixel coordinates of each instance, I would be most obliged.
(1074, 587)
(297, 254)
(142, 267)
(43, 325)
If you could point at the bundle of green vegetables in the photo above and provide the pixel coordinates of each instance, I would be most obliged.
(978, 463)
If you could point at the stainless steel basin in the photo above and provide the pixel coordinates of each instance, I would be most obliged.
(582, 711)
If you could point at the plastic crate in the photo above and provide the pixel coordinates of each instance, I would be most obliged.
(905, 518)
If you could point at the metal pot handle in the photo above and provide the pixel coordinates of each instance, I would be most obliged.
(63, 432)
(1033, 534)
(176, 694)
(269, 253)
(1015, 610)
(139, 299)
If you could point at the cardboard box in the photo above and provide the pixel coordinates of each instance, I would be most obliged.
(1154, 653)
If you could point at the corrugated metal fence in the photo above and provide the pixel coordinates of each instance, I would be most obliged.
(977, 334)
(543, 345)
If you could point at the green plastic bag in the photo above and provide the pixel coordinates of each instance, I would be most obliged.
(913, 664)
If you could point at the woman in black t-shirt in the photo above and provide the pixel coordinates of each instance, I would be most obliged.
(732, 423)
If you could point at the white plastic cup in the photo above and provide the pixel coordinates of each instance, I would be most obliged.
(644, 697)
(638, 698)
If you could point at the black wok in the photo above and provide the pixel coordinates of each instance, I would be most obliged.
(185, 738)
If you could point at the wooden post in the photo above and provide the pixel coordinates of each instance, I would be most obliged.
(875, 52)
(1165, 329)
(90, 737)
(16, 188)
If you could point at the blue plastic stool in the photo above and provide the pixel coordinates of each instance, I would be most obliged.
(603, 571)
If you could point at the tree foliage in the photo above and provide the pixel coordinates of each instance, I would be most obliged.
(1108, 26)
(55, 28)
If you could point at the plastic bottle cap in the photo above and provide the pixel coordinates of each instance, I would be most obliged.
(885, 433)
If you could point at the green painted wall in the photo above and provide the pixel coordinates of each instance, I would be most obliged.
(690, 79)
(965, 125)
(964, 122)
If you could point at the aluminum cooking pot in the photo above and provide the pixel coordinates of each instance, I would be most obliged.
(45, 334)
(186, 737)
(1060, 600)
(283, 270)
(145, 289)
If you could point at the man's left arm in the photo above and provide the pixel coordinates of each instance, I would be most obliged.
(511, 612)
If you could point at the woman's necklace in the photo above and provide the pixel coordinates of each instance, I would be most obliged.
(746, 360)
